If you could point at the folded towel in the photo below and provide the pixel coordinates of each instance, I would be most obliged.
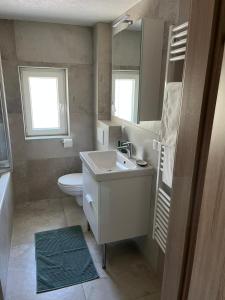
(167, 174)
(169, 128)
(171, 113)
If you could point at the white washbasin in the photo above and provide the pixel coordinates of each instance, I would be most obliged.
(109, 161)
(106, 165)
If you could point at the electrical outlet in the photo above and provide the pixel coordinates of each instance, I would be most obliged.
(156, 145)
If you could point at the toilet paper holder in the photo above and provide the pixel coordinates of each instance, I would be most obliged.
(67, 142)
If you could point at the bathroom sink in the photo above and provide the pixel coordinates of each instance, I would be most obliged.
(106, 165)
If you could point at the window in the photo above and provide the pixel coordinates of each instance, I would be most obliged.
(125, 90)
(44, 101)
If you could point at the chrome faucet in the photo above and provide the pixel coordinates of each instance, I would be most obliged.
(126, 146)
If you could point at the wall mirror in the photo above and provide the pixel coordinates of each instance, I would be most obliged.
(136, 70)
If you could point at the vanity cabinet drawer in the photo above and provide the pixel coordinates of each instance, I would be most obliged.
(91, 215)
(90, 201)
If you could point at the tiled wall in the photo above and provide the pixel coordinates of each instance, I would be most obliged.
(38, 163)
(102, 70)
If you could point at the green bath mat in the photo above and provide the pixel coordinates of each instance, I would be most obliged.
(62, 259)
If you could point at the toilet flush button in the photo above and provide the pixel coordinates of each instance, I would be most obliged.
(67, 143)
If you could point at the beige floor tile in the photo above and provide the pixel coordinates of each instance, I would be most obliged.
(74, 214)
(36, 216)
(102, 289)
(22, 279)
(70, 293)
(95, 249)
(130, 271)
(96, 254)
(123, 255)
(22, 257)
(101, 272)
(136, 284)
(126, 267)
(154, 296)
(35, 208)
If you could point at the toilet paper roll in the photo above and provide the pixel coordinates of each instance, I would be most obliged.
(67, 143)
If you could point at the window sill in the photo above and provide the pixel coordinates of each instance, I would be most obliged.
(47, 137)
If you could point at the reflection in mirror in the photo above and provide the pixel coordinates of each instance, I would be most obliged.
(126, 72)
(125, 87)
(136, 70)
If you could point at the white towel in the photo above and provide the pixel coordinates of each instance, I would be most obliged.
(167, 174)
(171, 113)
(169, 128)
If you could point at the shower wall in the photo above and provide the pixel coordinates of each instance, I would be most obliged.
(5, 149)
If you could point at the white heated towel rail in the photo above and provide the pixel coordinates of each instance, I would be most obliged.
(177, 46)
(162, 205)
(177, 42)
(176, 52)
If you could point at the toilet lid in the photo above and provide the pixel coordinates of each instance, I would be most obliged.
(75, 179)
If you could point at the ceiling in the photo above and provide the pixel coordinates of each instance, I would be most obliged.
(78, 12)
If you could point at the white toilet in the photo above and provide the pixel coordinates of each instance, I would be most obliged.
(72, 184)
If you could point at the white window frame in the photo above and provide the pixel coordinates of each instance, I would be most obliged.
(62, 74)
(126, 74)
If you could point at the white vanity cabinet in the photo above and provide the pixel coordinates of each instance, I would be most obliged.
(117, 209)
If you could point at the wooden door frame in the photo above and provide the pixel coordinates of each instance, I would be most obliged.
(201, 78)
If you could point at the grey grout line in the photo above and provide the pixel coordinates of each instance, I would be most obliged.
(84, 292)
(64, 213)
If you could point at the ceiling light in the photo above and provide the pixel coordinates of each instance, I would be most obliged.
(124, 19)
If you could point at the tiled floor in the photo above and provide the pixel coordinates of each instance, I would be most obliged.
(127, 276)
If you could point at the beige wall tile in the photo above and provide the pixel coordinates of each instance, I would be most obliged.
(20, 183)
(7, 41)
(37, 179)
(17, 137)
(12, 88)
(102, 70)
(81, 89)
(53, 43)
(103, 42)
(81, 132)
(42, 176)
(104, 88)
(82, 127)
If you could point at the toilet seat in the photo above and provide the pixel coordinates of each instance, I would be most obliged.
(72, 181)
(71, 188)
(72, 184)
